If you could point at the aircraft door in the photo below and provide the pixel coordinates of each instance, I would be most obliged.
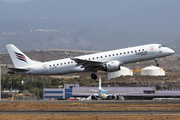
(152, 50)
(45, 68)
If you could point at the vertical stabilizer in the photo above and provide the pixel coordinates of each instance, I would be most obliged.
(18, 58)
(99, 83)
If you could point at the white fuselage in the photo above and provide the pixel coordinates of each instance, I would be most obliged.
(124, 56)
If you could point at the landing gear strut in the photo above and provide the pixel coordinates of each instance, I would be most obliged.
(93, 76)
(157, 64)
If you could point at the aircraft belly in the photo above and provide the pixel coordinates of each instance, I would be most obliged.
(78, 69)
(65, 70)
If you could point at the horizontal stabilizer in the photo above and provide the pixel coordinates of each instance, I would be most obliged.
(18, 69)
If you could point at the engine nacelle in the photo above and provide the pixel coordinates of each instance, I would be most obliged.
(93, 97)
(113, 97)
(112, 66)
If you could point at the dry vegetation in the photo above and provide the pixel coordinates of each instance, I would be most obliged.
(88, 117)
(88, 107)
(85, 106)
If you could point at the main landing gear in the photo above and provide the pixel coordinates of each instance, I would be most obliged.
(157, 64)
(93, 76)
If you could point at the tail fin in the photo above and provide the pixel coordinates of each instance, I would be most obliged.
(18, 58)
(99, 83)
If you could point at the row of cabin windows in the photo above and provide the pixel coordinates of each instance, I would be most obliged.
(117, 54)
(61, 64)
(100, 57)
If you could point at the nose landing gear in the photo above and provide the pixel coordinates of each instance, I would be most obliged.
(157, 64)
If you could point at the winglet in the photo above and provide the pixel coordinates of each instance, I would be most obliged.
(71, 57)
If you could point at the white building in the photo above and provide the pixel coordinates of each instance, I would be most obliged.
(153, 71)
(124, 71)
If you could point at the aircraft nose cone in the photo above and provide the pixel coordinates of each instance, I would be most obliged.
(171, 51)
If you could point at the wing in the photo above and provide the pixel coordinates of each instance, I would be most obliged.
(96, 94)
(107, 90)
(85, 63)
(122, 93)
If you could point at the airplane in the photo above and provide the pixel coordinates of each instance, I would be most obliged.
(109, 61)
(102, 94)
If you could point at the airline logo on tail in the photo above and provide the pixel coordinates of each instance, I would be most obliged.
(20, 57)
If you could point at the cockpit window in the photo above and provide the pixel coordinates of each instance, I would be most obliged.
(162, 46)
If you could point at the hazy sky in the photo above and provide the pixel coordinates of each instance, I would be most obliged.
(16, 1)
(89, 24)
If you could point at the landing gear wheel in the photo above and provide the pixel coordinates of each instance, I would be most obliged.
(93, 76)
(156, 60)
(157, 65)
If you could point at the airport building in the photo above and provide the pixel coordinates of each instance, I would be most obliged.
(129, 93)
(56, 93)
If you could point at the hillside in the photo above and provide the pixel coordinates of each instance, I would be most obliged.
(88, 25)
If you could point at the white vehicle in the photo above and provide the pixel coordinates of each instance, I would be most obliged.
(109, 61)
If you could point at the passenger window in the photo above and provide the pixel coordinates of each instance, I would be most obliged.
(61, 63)
(97, 57)
(116, 53)
(68, 62)
(120, 53)
(124, 52)
(135, 51)
(54, 65)
(71, 61)
(64, 63)
(101, 56)
(93, 58)
(105, 55)
(109, 55)
(139, 50)
(89, 58)
(131, 51)
(113, 54)
(128, 52)
(49, 65)
(142, 49)
(57, 64)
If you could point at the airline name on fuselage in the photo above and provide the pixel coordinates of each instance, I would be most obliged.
(142, 53)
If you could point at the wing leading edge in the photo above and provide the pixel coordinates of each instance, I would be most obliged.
(85, 63)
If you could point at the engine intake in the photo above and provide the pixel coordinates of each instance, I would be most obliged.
(93, 97)
(113, 97)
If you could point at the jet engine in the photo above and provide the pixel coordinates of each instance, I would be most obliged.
(112, 66)
(113, 97)
(93, 97)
